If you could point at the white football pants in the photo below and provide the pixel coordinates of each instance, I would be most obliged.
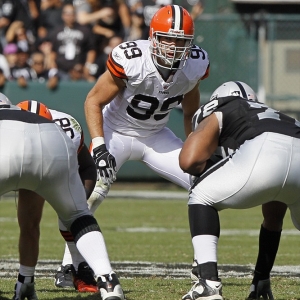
(264, 169)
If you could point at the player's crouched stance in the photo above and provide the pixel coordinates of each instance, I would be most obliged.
(36, 155)
(261, 158)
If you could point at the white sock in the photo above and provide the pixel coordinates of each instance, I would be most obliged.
(205, 248)
(72, 255)
(67, 259)
(26, 271)
(92, 247)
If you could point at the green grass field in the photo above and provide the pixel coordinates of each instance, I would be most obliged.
(156, 232)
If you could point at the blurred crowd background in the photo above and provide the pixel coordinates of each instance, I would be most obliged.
(69, 40)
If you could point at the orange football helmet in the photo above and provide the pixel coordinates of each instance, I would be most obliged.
(171, 21)
(36, 107)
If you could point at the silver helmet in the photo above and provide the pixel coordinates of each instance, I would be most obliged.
(234, 88)
(4, 100)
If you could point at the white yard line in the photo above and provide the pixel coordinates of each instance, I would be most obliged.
(224, 232)
(129, 269)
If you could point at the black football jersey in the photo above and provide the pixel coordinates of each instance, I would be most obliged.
(242, 120)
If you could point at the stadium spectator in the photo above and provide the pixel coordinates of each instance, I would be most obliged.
(11, 54)
(135, 6)
(138, 29)
(22, 68)
(4, 64)
(50, 17)
(38, 72)
(99, 67)
(128, 108)
(17, 34)
(88, 12)
(115, 19)
(265, 146)
(45, 47)
(56, 179)
(71, 44)
(76, 73)
(26, 12)
(6, 17)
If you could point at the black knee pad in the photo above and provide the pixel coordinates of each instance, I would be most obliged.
(83, 225)
(204, 220)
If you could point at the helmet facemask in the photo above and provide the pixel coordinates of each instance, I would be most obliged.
(168, 56)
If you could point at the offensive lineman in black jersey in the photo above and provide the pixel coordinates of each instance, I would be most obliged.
(261, 155)
(273, 213)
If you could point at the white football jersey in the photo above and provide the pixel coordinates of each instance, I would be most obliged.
(70, 126)
(143, 108)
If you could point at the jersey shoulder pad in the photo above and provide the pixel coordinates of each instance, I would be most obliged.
(126, 59)
(70, 125)
(204, 111)
(198, 62)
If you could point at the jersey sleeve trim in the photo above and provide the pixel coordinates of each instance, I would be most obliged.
(115, 68)
(81, 143)
(206, 73)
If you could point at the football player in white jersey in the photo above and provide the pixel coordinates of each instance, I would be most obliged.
(128, 108)
(73, 262)
(74, 271)
(36, 155)
(261, 150)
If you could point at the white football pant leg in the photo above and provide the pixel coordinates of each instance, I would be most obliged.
(161, 155)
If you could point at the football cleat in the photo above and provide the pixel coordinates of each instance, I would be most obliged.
(24, 291)
(205, 289)
(261, 289)
(84, 280)
(64, 277)
(109, 287)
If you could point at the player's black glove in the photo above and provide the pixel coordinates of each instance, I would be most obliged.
(105, 163)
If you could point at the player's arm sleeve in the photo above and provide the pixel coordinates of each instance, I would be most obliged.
(81, 143)
(87, 170)
(206, 73)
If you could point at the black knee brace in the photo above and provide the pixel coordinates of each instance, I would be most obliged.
(203, 220)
